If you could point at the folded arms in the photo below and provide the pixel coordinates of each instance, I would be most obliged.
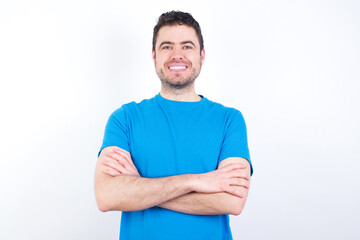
(119, 186)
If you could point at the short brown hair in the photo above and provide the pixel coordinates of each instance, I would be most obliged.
(177, 18)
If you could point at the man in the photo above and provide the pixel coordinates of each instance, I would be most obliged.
(176, 164)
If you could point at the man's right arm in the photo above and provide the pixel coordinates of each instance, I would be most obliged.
(132, 192)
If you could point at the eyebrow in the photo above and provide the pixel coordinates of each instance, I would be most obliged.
(166, 42)
(186, 42)
(182, 43)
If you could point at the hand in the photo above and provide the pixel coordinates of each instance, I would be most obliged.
(118, 162)
(226, 179)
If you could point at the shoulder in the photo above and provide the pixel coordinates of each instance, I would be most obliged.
(132, 109)
(228, 113)
(131, 106)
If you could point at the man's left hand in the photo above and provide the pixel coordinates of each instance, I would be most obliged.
(119, 162)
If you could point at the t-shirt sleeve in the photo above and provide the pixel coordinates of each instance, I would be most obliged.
(116, 131)
(235, 142)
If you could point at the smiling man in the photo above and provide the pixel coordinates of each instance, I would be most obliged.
(176, 164)
(178, 63)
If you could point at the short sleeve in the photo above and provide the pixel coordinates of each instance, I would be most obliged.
(116, 131)
(235, 142)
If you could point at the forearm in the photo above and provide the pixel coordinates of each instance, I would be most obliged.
(131, 193)
(213, 203)
(119, 186)
(207, 203)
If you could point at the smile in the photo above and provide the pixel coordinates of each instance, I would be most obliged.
(177, 67)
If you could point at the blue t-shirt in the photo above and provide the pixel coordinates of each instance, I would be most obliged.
(167, 138)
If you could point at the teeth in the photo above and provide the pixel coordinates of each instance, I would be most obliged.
(177, 67)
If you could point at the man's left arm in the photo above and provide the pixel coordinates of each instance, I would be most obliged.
(213, 203)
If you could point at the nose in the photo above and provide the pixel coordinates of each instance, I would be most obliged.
(177, 54)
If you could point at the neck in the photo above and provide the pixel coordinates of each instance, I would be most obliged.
(186, 94)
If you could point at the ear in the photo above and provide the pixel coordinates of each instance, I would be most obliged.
(153, 55)
(202, 55)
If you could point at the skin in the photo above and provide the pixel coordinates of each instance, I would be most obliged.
(118, 185)
(178, 46)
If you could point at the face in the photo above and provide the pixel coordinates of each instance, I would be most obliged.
(177, 56)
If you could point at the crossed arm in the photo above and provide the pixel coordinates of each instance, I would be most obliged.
(119, 186)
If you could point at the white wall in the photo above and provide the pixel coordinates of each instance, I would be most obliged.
(291, 67)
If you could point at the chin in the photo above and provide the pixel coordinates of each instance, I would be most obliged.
(177, 84)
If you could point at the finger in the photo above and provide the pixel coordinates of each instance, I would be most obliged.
(111, 172)
(134, 171)
(117, 167)
(235, 191)
(242, 175)
(234, 166)
(122, 152)
(126, 163)
(239, 173)
(126, 155)
(123, 165)
(239, 182)
(118, 158)
(114, 165)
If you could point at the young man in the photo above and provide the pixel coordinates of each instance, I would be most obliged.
(176, 164)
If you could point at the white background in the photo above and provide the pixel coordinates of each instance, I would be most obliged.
(291, 67)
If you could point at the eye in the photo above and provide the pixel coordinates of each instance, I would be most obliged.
(187, 47)
(166, 47)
